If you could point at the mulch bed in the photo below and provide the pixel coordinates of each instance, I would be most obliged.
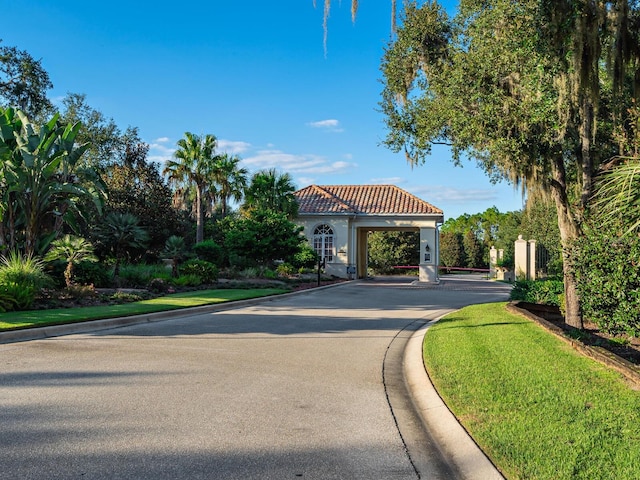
(106, 296)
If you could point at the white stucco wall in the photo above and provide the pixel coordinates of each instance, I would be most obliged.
(342, 240)
(345, 229)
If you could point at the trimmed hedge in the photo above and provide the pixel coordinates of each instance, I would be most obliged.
(544, 292)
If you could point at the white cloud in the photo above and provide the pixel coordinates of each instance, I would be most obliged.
(440, 194)
(58, 100)
(388, 181)
(158, 152)
(335, 167)
(233, 147)
(295, 164)
(305, 181)
(330, 125)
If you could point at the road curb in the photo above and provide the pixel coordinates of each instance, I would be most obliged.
(40, 333)
(452, 438)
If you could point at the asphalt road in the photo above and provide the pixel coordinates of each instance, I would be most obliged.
(308, 386)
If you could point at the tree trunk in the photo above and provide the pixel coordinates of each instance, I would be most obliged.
(199, 215)
(586, 133)
(174, 267)
(68, 274)
(224, 206)
(569, 232)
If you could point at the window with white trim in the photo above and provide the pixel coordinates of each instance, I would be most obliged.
(323, 240)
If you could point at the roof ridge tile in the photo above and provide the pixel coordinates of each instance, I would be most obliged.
(374, 199)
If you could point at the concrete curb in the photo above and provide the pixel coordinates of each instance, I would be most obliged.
(41, 333)
(452, 438)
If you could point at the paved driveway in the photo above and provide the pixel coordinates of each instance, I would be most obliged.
(297, 387)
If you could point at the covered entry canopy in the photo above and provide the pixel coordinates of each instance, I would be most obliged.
(337, 219)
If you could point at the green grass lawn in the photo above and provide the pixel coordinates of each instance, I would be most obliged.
(536, 407)
(39, 318)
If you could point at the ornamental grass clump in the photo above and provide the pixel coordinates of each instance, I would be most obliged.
(21, 280)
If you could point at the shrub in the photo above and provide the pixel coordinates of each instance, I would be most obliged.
(209, 251)
(305, 258)
(122, 297)
(159, 285)
(285, 269)
(187, 281)
(139, 276)
(15, 296)
(609, 280)
(81, 291)
(240, 262)
(251, 272)
(7, 302)
(270, 274)
(92, 273)
(229, 272)
(207, 271)
(545, 292)
(263, 237)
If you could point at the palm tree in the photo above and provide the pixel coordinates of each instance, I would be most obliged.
(270, 190)
(617, 199)
(231, 180)
(118, 232)
(175, 249)
(72, 250)
(193, 166)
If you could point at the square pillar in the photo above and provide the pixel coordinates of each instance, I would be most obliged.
(361, 253)
(428, 266)
(521, 259)
(531, 258)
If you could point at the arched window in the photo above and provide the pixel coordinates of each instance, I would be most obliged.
(323, 242)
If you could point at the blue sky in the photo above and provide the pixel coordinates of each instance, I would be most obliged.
(252, 73)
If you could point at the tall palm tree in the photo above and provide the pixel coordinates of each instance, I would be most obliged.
(72, 250)
(231, 180)
(270, 190)
(192, 166)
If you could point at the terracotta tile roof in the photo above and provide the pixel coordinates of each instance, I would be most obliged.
(361, 199)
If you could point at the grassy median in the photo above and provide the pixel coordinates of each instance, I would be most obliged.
(539, 409)
(39, 318)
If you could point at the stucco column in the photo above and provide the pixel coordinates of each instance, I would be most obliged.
(520, 259)
(428, 255)
(362, 253)
(531, 272)
(493, 262)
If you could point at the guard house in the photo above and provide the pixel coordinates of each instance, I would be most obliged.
(338, 218)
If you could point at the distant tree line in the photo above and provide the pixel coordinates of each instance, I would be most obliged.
(465, 241)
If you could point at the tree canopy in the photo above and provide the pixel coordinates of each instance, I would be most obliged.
(194, 166)
(23, 82)
(270, 190)
(533, 90)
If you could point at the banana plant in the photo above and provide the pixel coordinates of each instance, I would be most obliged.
(45, 179)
